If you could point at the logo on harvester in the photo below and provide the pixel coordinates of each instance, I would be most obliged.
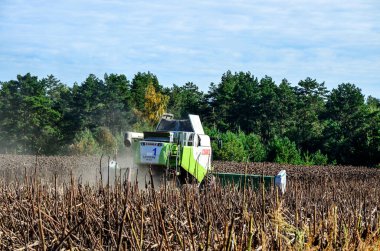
(150, 144)
(206, 151)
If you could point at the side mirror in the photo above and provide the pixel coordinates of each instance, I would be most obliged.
(220, 143)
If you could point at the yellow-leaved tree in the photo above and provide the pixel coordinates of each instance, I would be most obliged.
(155, 105)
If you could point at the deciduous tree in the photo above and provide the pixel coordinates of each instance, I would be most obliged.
(155, 105)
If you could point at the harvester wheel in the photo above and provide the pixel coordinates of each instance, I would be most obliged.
(208, 181)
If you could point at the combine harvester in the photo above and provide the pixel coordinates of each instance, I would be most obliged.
(180, 151)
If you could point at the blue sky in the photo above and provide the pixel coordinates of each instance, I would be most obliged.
(331, 40)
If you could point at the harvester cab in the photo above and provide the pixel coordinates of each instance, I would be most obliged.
(178, 147)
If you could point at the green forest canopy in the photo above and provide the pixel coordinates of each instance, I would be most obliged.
(258, 119)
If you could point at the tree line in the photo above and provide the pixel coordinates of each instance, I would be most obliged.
(257, 119)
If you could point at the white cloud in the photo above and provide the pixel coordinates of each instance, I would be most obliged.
(196, 41)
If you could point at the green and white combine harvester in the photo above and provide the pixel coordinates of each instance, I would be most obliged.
(180, 150)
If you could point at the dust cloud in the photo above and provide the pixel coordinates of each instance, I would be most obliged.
(85, 170)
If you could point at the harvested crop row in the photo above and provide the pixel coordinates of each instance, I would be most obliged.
(320, 212)
(295, 170)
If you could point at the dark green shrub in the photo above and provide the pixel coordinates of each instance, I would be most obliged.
(282, 150)
(318, 158)
(232, 147)
(255, 150)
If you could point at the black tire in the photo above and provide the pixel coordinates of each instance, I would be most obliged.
(208, 181)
